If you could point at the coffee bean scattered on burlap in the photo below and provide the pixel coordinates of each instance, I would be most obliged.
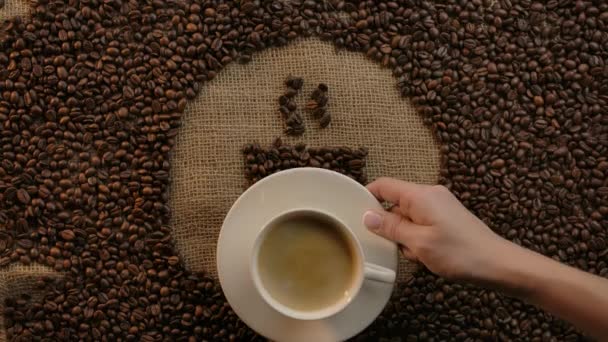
(294, 123)
(261, 162)
(317, 105)
(91, 99)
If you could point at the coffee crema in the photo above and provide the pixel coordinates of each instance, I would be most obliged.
(306, 262)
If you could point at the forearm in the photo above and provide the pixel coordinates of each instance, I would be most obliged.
(573, 295)
(437, 230)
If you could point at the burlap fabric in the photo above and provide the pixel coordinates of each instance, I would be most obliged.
(14, 8)
(240, 106)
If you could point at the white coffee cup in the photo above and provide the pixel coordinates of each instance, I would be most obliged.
(363, 270)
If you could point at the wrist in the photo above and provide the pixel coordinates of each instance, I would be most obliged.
(509, 269)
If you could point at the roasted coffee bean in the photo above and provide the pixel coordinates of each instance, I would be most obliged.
(316, 94)
(283, 100)
(23, 196)
(317, 113)
(325, 120)
(67, 235)
(294, 82)
(322, 101)
(291, 105)
(285, 111)
(290, 92)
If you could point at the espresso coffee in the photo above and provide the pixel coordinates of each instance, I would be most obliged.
(306, 262)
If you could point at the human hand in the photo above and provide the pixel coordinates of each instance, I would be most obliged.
(433, 227)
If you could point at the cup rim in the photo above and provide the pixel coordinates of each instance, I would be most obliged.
(301, 314)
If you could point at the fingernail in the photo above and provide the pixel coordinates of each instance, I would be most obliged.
(372, 221)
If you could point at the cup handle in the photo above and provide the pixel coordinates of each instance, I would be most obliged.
(379, 273)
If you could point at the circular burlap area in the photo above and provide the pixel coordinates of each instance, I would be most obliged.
(240, 106)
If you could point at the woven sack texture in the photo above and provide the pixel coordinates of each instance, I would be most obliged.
(240, 106)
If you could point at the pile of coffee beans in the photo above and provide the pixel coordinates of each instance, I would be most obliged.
(318, 105)
(428, 308)
(261, 162)
(294, 123)
(91, 96)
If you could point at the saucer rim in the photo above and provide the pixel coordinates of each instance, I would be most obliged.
(232, 212)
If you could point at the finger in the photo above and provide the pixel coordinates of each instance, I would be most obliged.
(393, 190)
(391, 226)
(397, 211)
(407, 253)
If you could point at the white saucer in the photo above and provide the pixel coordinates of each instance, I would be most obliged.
(310, 188)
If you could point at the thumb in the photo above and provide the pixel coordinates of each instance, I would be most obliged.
(389, 225)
